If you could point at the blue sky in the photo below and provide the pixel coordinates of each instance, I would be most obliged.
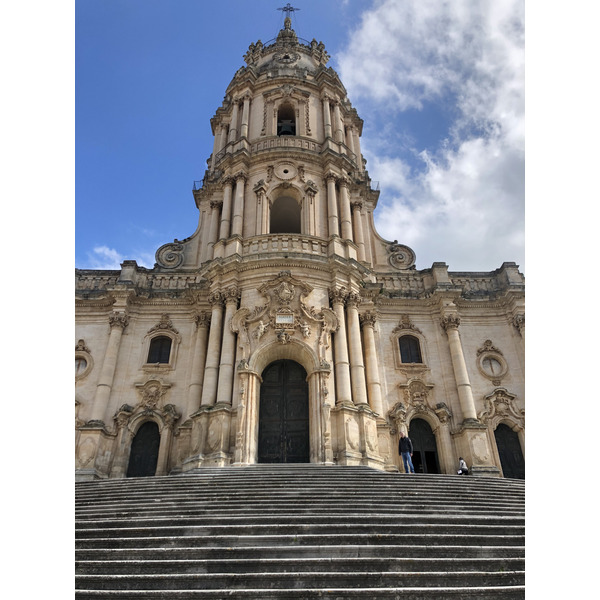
(439, 85)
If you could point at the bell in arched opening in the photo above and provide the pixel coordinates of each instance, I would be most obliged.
(286, 120)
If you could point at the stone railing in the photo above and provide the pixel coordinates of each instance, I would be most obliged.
(286, 141)
(474, 285)
(285, 243)
(95, 280)
(403, 283)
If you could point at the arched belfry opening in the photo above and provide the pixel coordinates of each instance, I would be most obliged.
(283, 428)
(286, 216)
(286, 120)
(143, 457)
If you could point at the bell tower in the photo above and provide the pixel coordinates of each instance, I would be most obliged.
(286, 159)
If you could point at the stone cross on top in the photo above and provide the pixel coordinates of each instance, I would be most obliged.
(288, 9)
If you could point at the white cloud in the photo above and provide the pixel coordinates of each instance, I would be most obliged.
(465, 204)
(104, 258)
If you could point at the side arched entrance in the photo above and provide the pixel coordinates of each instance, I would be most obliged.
(283, 430)
(144, 451)
(509, 451)
(425, 455)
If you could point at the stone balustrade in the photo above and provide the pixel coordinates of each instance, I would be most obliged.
(285, 243)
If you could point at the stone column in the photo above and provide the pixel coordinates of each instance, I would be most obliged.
(339, 126)
(117, 321)
(326, 118)
(164, 448)
(245, 116)
(332, 211)
(222, 137)
(226, 212)
(371, 363)
(346, 216)
(233, 125)
(357, 367)
(341, 362)
(260, 189)
(213, 232)
(359, 160)
(198, 363)
(226, 366)
(450, 324)
(350, 139)
(237, 225)
(358, 230)
(213, 353)
(218, 145)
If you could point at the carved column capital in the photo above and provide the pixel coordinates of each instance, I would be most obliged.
(519, 322)
(357, 205)
(450, 322)
(353, 299)
(118, 319)
(216, 204)
(216, 298)
(231, 294)
(337, 295)
(368, 319)
(202, 319)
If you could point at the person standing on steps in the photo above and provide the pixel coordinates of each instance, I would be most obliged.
(462, 466)
(405, 449)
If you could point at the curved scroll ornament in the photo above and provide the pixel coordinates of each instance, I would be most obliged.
(401, 257)
(170, 256)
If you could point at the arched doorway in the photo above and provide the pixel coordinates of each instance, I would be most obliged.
(509, 450)
(425, 455)
(144, 451)
(283, 434)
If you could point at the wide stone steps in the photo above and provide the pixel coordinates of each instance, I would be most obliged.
(334, 551)
(288, 565)
(300, 531)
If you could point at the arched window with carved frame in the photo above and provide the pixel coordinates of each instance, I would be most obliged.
(159, 350)
(410, 349)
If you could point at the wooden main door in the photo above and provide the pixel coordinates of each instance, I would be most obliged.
(509, 450)
(425, 456)
(283, 415)
(144, 451)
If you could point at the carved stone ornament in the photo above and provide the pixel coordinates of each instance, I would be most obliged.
(165, 324)
(170, 256)
(288, 58)
(406, 324)
(283, 316)
(81, 347)
(501, 406)
(151, 393)
(519, 322)
(401, 257)
(285, 171)
(416, 393)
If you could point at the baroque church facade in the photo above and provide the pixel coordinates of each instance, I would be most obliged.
(286, 329)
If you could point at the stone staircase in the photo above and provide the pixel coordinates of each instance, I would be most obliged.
(300, 531)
